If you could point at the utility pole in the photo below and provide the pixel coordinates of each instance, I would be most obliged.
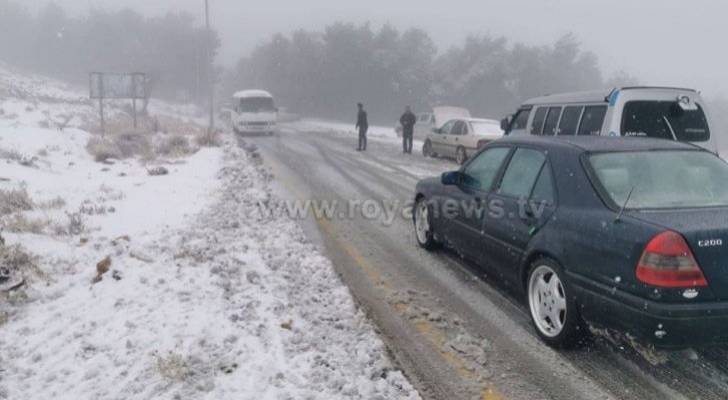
(210, 72)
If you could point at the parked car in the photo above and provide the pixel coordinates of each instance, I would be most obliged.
(658, 112)
(254, 113)
(460, 138)
(428, 121)
(624, 233)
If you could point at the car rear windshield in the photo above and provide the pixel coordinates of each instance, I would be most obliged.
(486, 128)
(256, 104)
(665, 120)
(662, 179)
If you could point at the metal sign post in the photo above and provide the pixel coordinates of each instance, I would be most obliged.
(101, 106)
(117, 86)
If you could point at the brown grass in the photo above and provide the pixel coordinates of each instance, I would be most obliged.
(12, 201)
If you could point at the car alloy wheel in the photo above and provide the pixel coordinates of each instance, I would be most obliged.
(554, 312)
(423, 227)
(547, 301)
(461, 156)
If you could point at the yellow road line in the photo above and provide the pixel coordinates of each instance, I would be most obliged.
(433, 334)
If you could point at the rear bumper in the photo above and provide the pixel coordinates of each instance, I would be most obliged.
(662, 324)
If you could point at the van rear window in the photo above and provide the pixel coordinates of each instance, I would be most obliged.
(665, 120)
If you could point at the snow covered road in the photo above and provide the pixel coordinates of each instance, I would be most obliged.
(455, 330)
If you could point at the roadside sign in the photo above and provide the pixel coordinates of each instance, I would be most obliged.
(117, 86)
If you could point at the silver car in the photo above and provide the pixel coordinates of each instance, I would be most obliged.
(460, 138)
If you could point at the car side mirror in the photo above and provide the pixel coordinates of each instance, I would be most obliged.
(451, 178)
(505, 123)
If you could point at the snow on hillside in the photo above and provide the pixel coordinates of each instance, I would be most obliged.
(151, 275)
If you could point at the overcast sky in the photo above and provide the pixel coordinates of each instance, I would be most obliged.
(663, 42)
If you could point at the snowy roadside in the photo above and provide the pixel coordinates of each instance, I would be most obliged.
(173, 286)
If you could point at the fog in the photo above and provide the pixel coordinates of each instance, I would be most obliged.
(662, 42)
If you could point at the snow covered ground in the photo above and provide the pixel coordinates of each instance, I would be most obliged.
(379, 133)
(144, 286)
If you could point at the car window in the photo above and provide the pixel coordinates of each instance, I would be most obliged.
(520, 120)
(549, 128)
(521, 174)
(570, 120)
(447, 127)
(458, 128)
(482, 170)
(592, 120)
(544, 188)
(538, 120)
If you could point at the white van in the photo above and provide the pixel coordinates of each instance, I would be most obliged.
(659, 112)
(254, 112)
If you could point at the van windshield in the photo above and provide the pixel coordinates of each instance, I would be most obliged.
(257, 104)
(665, 120)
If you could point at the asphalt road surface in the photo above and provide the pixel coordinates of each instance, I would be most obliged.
(455, 330)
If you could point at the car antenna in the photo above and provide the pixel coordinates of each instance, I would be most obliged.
(624, 206)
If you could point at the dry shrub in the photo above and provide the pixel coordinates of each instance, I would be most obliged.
(12, 201)
(122, 122)
(123, 145)
(132, 144)
(103, 149)
(208, 140)
(18, 262)
(173, 367)
(15, 258)
(75, 225)
(53, 204)
(19, 223)
(173, 146)
(179, 126)
(14, 155)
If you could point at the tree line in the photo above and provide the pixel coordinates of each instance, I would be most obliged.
(317, 73)
(169, 49)
(325, 73)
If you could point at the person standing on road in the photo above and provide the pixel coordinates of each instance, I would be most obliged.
(408, 121)
(362, 124)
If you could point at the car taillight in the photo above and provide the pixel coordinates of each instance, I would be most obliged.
(482, 143)
(667, 261)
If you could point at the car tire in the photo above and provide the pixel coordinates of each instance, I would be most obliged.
(424, 231)
(551, 304)
(427, 149)
(461, 156)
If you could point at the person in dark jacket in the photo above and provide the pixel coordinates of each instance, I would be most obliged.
(362, 124)
(408, 121)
